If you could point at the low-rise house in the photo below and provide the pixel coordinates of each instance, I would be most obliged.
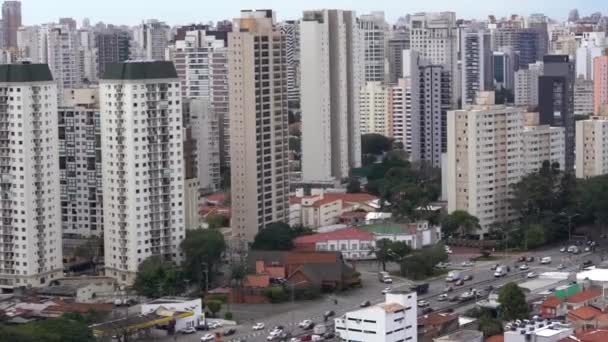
(552, 307)
(436, 324)
(353, 243)
(584, 298)
(587, 317)
(596, 335)
(462, 336)
(539, 331)
(80, 289)
(416, 235)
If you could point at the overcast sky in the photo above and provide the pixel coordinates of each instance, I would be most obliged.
(189, 11)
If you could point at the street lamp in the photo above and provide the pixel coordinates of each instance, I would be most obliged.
(570, 217)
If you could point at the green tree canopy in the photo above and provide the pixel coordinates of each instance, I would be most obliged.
(278, 236)
(156, 278)
(50, 330)
(354, 186)
(513, 303)
(217, 221)
(214, 306)
(460, 223)
(202, 248)
(375, 144)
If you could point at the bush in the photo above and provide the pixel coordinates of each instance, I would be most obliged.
(228, 316)
(276, 294)
(218, 297)
(214, 306)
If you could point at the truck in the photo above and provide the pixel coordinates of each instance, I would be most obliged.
(319, 329)
(453, 276)
(420, 288)
(385, 277)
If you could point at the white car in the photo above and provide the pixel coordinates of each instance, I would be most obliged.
(561, 266)
(423, 303)
(531, 275)
(189, 330)
(214, 325)
(208, 337)
(295, 339)
(524, 267)
(442, 297)
(305, 323)
(563, 250)
(386, 290)
(258, 326)
(467, 264)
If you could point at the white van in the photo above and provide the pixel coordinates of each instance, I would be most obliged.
(501, 271)
(545, 260)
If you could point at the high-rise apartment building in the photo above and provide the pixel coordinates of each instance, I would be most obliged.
(490, 148)
(112, 46)
(291, 31)
(332, 74)
(398, 41)
(592, 147)
(142, 173)
(31, 250)
(434, 37)
(583, 96)
(526, 41)
(556, 99)
(375, 30)
(477, 72)
(538, 22)
(526, 85)
(150, 40)
(600, 85)
(399, 106)
(61, 50)
(257, 80)
(80, 163)
(28, 41)
(205, 125)
(11, 21)
(504, 63)
(373, 106)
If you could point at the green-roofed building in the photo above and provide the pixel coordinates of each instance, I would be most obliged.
(140, 71)
(25, 72)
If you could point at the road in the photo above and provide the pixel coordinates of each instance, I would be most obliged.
(289, 314)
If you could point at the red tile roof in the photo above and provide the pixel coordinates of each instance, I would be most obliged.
(552, 302)
(352, 233)
(218, 197)
(599, 335)
(351, 198)
(436, 318)
(584, 296)
(495, 338)
(584, 313)
(256, 280)
(295, 200)
(323, 201)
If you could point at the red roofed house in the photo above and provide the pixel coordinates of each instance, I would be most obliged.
(583, 298)
(584, 318)
(552, 307)
(353, 243)
(598, 335)
(435, 325)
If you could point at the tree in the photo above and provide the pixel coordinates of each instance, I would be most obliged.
(513, 303)
(460, 223)
(156, 278)
(203, 248)
(217, 221)
(420, 264)
(278, 236)
(295, 144)
(60, 329)
(490, 326)
(381, 251)
(214, 306)
(354, 186)
(534, 235)
(375, 144)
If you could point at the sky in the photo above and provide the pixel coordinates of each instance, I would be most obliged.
(131, 12)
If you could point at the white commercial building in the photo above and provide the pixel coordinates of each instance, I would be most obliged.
(291, 31)
(540, 331)
(143, 172)
(591, 45)
(395, 320)
(332, 74)
(476, 64)
(526, 85)
(178, 305)
(592, 147)
(30, 211)
(373, 104)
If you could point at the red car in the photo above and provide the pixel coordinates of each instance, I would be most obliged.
(306, 338)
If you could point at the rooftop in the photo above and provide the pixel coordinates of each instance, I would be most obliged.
(584, 296)
(553, 302)
(25, 72)
(140, 70)
(584, 313)
(436, 318)
(391, 307)
(599, 335)
(387, 228)
(352, 233)
(464, 335)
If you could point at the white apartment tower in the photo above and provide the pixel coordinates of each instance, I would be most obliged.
(332, 74)
(592, 147)
(62, 52)
(375, 32)
(477, 71)
(28, 40)
(291, 31)
(257, 79)
(30, 236)
(526, 85)
(434, 37)
(399, 105)
(150, 39)
(542, 143)
(374, 109)
(143, 172)
(80, 163)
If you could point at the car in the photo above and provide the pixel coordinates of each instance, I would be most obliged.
(329, 313)
(305, 338)
(305, 323)
(214, 325)
(453, 299)
(563, 250)
(468, 277)
(203, 327)
(587, 263)
(329, 335)
(258, 326)
(386, 290)
(561, 266)
(443, 265)
(545, 260)
(459, 282)
(365, 304)
(587, 249)
(295, 339)
(208, 337)
(467, 264)
(448, 288)
(427, 311)
(495, 266)
(531, 275)
(423, 303)
(229, 332)
(524, 267)
(530, 259)
(442, 297)
(189, 330)
(521, 259)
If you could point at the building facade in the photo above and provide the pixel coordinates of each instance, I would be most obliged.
(80, 163)
(291, 31)
(477, 59)
(592, 147)
(398, 42)
(600, 85)
(150, 39)
(143, 170)
(526, 85)
(583, 97)
(113, 46)
(373, 106)
(11, 21)
(332, 72)
(257, 78)
(374, 29)
(31, 252)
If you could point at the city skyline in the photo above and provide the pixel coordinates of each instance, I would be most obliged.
(39, 11)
